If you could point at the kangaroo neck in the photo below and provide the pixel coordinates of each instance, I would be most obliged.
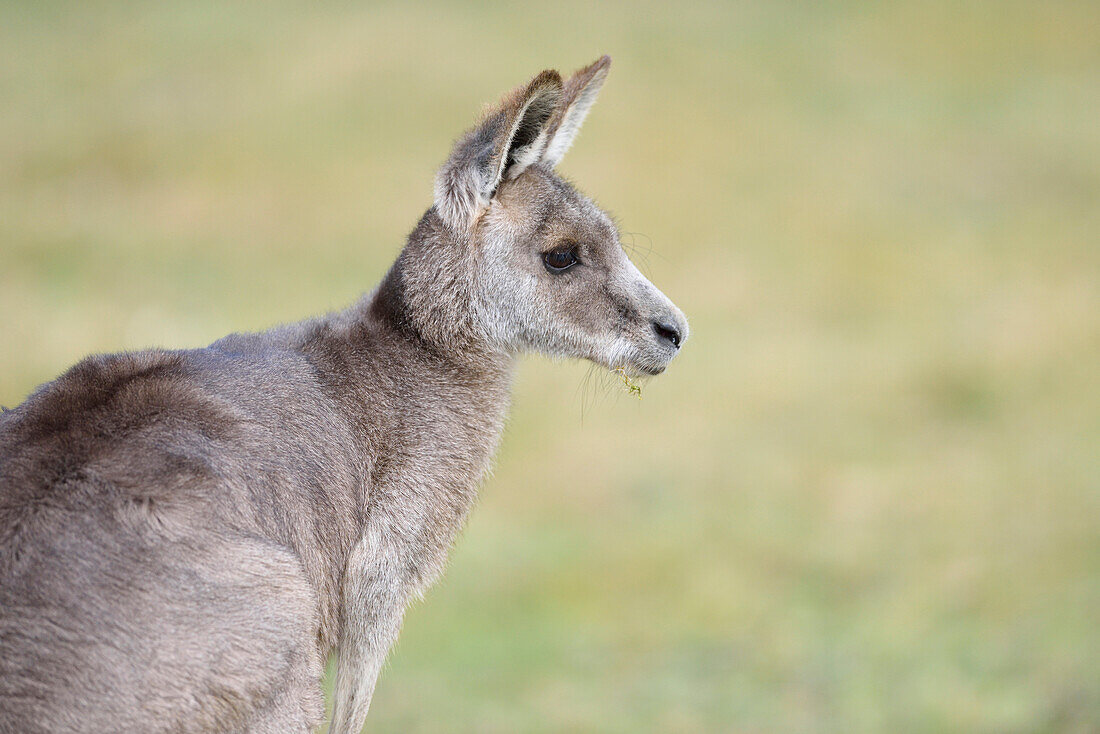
(407, 356)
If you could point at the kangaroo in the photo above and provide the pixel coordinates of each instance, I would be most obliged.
(187, 536)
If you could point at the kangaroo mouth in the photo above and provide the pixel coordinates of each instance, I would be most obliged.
(636, 355)
(652, 370)
(645, 363)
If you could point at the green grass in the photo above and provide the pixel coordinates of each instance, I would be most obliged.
(866, 498)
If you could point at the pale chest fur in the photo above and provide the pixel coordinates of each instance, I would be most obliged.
(426, 463)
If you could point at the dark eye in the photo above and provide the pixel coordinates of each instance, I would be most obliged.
(559, 260)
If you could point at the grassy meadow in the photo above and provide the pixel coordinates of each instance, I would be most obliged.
(865, 498)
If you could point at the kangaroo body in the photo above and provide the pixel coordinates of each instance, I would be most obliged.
(216, 496)
(186, 536)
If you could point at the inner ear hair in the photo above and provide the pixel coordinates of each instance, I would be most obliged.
(508, 140)
(578, 95)
(529, 131)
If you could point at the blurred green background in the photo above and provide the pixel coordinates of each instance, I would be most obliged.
(866, 498)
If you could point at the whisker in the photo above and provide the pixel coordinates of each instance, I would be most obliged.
(582, 389)
(650, 250)
(640, 258)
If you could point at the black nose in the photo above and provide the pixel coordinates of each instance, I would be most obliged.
(667, 331)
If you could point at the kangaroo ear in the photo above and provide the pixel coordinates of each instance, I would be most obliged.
(578, 96)
(510, 138)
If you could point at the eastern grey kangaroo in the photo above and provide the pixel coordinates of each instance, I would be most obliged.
(186, 536)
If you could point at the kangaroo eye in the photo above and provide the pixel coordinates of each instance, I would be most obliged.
(559, 260)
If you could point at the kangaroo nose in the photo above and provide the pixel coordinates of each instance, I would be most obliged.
(667, 332)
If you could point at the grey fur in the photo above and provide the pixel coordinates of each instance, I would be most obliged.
(185, 536)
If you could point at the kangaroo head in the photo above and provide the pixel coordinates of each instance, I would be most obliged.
(546, 270)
